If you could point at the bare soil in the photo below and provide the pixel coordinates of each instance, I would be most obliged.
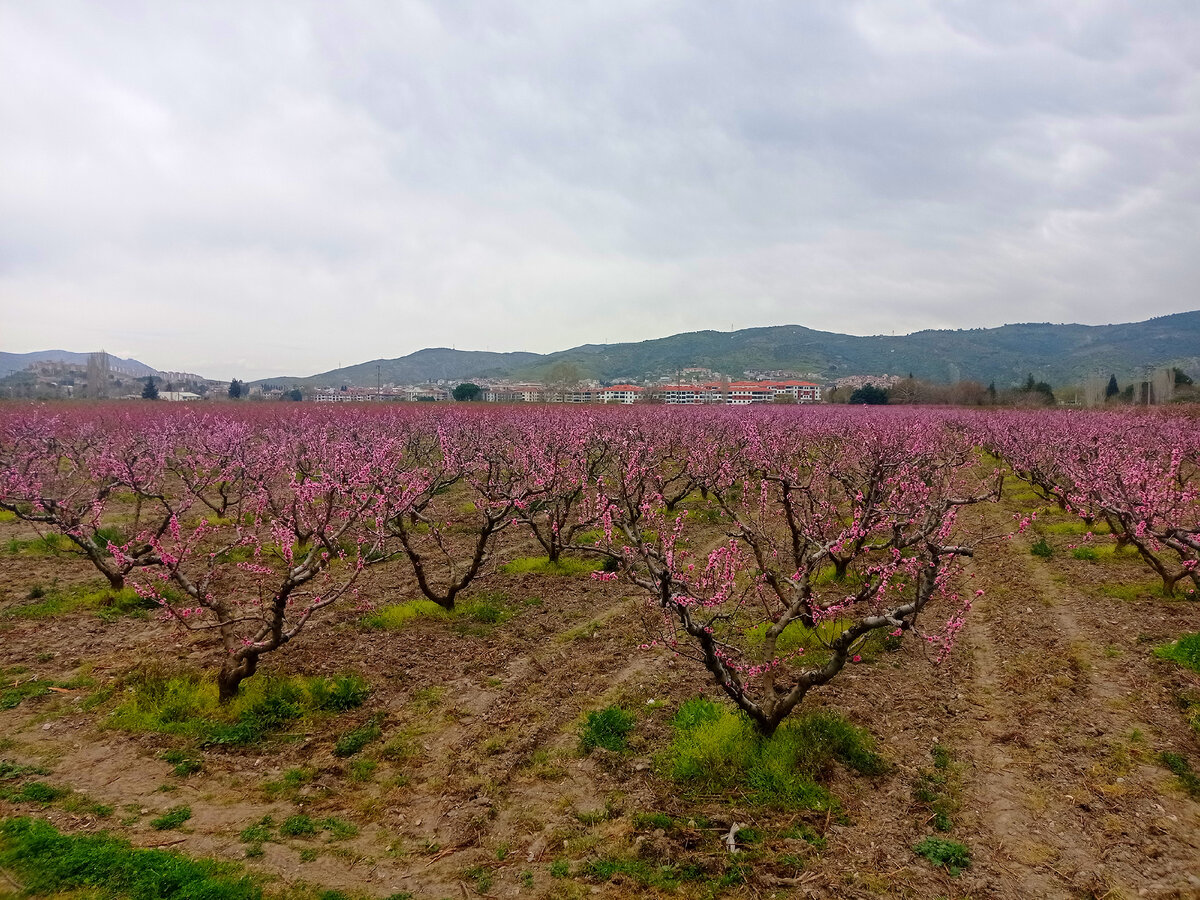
(1053, 711)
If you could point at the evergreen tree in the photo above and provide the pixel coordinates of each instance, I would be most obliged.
(150, 391)
(870, 395)
(1113, 388)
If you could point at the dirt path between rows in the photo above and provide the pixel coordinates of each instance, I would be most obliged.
(1065, 725)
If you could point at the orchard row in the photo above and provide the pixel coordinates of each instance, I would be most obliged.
(770, 543)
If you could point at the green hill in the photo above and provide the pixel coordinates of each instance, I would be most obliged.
(1059, 354)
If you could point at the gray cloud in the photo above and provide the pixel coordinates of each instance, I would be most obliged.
(257, 188)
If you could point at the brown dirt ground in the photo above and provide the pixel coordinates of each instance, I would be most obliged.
(1054, 711)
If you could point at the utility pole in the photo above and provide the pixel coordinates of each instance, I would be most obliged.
(378, 382)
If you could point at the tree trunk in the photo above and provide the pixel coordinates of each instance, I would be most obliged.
(231, 676)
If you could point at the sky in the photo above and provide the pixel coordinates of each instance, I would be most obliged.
(245, 189)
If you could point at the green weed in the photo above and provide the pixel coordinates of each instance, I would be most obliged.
(488, 608)
(339, 693)
(102, 600)
(353, 741)
(186, 704)
(664, 877)
(50, 863)
(652, 820)
(35, 792)
(1042, 548)
(10, 771)
(172, 818)
(259, 832)
(608, 728)
(185, 763)
(564, 566)
(289, 784)
(298, 825)
(1182, 770)
(396, 616)
(15, 694)
(718, 751)
(941, 852)
(1185, 651)
(482, 876)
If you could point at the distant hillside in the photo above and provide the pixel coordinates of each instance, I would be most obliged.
(1059, 354)
(14, 362)
(423, 366)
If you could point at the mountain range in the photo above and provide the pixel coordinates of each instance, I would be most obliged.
(1059, 354)
(15, 362)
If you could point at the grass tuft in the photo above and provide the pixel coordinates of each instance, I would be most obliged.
(172, 818)
(186, 704)
(1185, 651)
(606, 728)
(1182, 770)
(396, 616)
(717, 751)
(564, 566)
(353, 741)
(942, 852)
(50, 863)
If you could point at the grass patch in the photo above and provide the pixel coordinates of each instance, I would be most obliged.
(1182, 770)
(50, 863)
(1075, 527)
(483, 609)
(1145, 590)
(289, 784)
(564, 566)
(951, 855)
(172, 818)
(185, 763)
(717, 751)
(1088, 554)
(652, 820)
(103, 600)
(607, 728)
(663, 877)
(259, 832)
(1041, 548)
(814, 641)
(14, 694)
(298, 825)
(10, 771)
(34, 792)
(186, 704)
(1185, 651)
(301, 825)
(353, 741)
(396, 616)
(487, 608)
(49, 544)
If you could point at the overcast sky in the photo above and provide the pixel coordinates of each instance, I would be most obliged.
(254, 188)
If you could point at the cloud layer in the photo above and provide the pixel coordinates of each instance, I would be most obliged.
(266, 188)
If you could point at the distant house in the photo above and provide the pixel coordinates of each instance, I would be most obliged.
(621, 393)
(177, 396)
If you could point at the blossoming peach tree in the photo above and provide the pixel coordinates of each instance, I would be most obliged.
(834, 528)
